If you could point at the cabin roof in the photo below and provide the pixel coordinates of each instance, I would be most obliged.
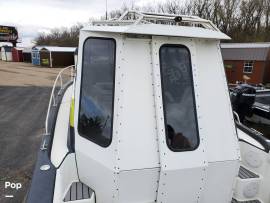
(159, 24)
(160, 30)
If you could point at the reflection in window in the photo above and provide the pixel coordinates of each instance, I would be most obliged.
(97, 90)
(178, 98)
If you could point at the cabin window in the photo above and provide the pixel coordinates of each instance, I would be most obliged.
(248, 67)
(34, 55)
(97, 90)
(178, 98)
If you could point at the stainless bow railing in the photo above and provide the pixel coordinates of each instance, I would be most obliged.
(65, 76)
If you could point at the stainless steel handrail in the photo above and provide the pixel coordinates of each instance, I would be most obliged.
(237, 117)
(58, 79)
(132, 17)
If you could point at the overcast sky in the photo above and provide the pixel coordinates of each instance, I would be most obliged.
(34, 16)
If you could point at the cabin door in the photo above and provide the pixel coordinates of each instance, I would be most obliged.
(181, 146)
(94, 125)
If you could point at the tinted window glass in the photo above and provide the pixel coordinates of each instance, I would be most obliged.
(178, 98)
(97, 90)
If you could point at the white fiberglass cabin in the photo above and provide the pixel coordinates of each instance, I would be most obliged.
(147, 119)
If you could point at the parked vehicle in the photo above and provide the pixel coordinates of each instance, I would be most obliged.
(141, 121)
(262, 107)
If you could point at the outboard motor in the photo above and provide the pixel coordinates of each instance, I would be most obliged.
(243, 98)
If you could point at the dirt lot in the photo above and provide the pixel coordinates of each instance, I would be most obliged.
(24, 96)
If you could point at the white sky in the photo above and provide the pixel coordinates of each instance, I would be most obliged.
(34, 16)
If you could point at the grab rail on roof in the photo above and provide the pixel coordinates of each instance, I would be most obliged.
(136, 17)
(59, 81)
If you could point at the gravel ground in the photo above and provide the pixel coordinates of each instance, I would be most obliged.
(24, 96)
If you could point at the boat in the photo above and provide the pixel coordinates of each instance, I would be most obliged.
(138, 120)
(252, 107)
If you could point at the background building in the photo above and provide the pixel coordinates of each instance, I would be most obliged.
(247, 62)
(6, 53)
(17, 55)
(27, 55)
(35, 55)
(8, 34)
(51, 56)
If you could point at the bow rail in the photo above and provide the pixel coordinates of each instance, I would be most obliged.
(64, 77)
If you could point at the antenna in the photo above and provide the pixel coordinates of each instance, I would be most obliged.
(106, 9)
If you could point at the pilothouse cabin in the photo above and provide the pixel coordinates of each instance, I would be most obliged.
(142, 117)
(141, 122)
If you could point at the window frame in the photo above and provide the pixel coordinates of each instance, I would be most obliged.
(113, 93)
(193, 96)
(244, 66)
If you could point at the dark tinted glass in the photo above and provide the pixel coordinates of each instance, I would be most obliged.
(178, 98)
(97, 90)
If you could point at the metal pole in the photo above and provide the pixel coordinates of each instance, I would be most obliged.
(50, 59)
(106, 9)
(6, 54)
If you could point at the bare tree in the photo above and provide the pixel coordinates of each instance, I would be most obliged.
(267, 12)
(243, 20)
(60, 37)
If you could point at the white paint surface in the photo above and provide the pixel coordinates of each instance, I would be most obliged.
(59, 146)
(138, 148)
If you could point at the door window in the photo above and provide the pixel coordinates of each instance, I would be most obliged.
(178, 98)
(97, 91)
